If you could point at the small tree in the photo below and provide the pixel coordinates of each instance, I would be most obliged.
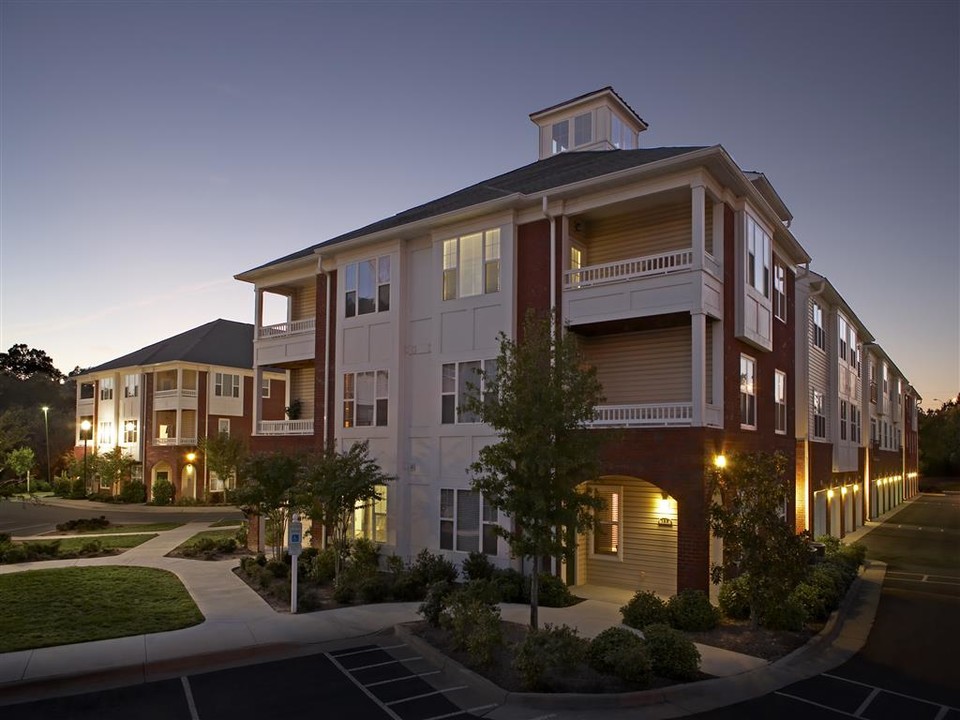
(539, 401)
(266, 487)
(224, 454)
(333, 485)
(758, 541)
(114, 465)
(21, 461)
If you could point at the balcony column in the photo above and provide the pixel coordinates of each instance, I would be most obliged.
(257, 399)
(698, 225)
(257, 312)
(698, 370)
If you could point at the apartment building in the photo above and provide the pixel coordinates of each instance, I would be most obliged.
(159, 402)
(676, 270)
(856, 426)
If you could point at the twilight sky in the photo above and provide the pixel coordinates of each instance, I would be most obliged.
(149, 151)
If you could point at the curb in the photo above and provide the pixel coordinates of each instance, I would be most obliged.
(843, 635)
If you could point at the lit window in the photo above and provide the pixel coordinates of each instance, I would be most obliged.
(582, 129)
(819, 336)
(748, 392)
(758, 257)
(462, 515)
(459, 381)
(606, 532)
(105, 436)
(226, 385)
(367, 287)
(779, 291)
(370, 519)
(129, 432)
(365, 399)
(106, 389)
(131, 385)
(471, 264)
(561, 137)
(819, 418)
(223, 426)
(780, 400)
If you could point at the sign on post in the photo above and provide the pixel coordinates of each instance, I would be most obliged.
(294, 544)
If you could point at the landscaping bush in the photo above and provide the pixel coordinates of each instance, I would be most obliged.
(345, 591)
(474, 626)
(321, 568)
(278, 568)
(691, 610)
(61, 487)
(644, 608)
(620, 652)
(248, 564)
(788, 615)
(5, 538)
(372, 588)
(477, 566)
(429, 568)
(511, 585)
(42, 550)
(435, 602)
(162, 492)
(813, 601)
(365, 555)
(546, 655)
(226, 546)
(672, 654)
(12, 554)
(91, 547)
(485, 590)
(84, 524)
(205, 544)
(733, 599)
(78, 489)
(133, 492)
(553, 592)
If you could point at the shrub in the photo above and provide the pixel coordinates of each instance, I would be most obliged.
(345, 591)
(42, 549)
(133, 492)
(84, 524)
(510, 584)
(477, 566)
(788, 615)
(372, 588)
(553, 592)
(435, 602)
(691, 610)
(620, 652)
(672, 654)
(205, 544)
(61, 487)
(546, 655)
(365, 555)
(162, 492)
(227, 546)
(249, 565)
(261, 559)
(13, 554)
(474, 626)
(485, 590)
(241, 536)
(278, 568)
(4, 538)
(91, 547)
(811, 598)
(321, 568)
(733, 600)
(644, 608)
(830, 584)
(78, 489)
(429, 568)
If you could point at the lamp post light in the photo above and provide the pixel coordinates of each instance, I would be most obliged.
(46, 432)
(85, 429)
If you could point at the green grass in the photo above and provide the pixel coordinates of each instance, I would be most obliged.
(141, 528)
(107, 542)
(227, 522)
(70, 605)
(212, 534)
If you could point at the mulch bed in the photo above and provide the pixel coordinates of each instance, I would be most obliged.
(740, 637)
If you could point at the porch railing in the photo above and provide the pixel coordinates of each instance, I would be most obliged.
(293, 327)
(285, 427)
(175, 441)
(646, 415)
(630, 269)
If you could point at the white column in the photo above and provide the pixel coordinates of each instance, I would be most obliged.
(257, 397)
(698, 224)
(698, 330)
(257, 312)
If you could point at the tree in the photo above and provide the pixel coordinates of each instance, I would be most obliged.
(21, 461)
(539, 400)
(939, 431)
(266, 487)
(224, 454)
(335, 484)
(758, 542)
(114, 465)
(23, 362)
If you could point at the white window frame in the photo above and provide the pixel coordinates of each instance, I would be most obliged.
(130, 431)
(758, 248)
(105, 434)
(615, 522)
(819, 416)
(454, 389)
(131, 385)
(843, 420)
(265, 387)
(106, 389)
(819, 334)
(487, 541)
(779, 291)
(370, 518)
(842, 336)
(478, 276)
(380, 380)
(748, 392)
(560, 137)
(583, 123)
(381, 286)
(226, 385)
(780, 402)
(223, 426)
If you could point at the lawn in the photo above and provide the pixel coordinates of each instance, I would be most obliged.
(228, 522)
(107, 542)
(70, 605)
(132, 528)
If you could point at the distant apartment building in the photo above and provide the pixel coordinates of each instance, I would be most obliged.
(676, 270)
(156, 404)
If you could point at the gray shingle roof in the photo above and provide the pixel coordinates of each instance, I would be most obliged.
(220, 342)
(552, 172)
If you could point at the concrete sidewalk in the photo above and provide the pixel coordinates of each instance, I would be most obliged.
(240, 627)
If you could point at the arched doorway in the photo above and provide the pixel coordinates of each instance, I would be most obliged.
(635, 544)
(188, 481)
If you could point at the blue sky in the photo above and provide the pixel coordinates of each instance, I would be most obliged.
(151, 151)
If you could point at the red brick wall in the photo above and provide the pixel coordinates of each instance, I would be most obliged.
(274, 407)
(533, 268)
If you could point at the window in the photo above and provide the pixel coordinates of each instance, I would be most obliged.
(459, 381)
(621, 136)
(226, 385)
(106, 389)
(819, 336)
(105, 436)
(367, 287)
(370, 520)
(131, 386)
(560, 140)
(471, 264)
(819, 419)
(779, 291)
(873, 431)
(86, 391)
(464, 517)
(606, 532)
(265, 387)
(842, 334)
(582, 129)
(780, 400)
(130, 432)
(758, 257)
(223, 426)
(886, 382)
(365, 399)
(854, 350)
(843, 419)
(748, 392)
(854, 424)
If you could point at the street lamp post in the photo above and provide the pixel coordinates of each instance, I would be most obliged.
(46, 432)
(85, 429)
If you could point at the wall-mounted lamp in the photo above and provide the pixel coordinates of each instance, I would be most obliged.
(720, 461)
(829, 494)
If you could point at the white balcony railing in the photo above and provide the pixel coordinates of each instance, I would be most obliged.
(647, 415)
(293, 327)
(175, 441)
(286, 427)
(630, 269)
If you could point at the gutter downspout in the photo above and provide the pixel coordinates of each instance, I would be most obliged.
(326, 364)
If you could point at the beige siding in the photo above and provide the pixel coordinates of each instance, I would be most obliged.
(819, 373)
(633, 235)
(708, 224)
(301, 388)
(303, 304)
(645, 367)
(649, 557)
(709, 351)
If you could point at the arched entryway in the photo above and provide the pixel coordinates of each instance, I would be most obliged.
(188, 481)
(635, 544)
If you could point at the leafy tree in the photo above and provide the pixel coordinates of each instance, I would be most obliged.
(14, 429)
(539, 401)
(333, 485)
(939, 431)
(266, 487)
(114, 465)
(224, 454)
(21, 461)
(23, 362)
(758, 542)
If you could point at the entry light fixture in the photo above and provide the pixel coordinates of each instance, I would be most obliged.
(720, 461)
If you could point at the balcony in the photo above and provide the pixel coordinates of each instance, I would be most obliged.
(285, 427)
(643, 415)
(641, 286)
(169, 441)
(286, 342)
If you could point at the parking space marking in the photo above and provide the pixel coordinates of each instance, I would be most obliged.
(815, 704)
(398, 679)
(428, 694)
(863, 706)
(362, 687)
(922, 578)
(191, 705)
(385, 662)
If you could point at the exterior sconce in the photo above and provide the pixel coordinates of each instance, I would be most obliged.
(829, 494)
(843, 490)
(720, 462)
(663, 510)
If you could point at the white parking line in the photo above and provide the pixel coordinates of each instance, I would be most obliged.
(815, 704)
(863, 706)
(360, 685)
(891, 692)
(405, 677)
(427, 694)
(385, 662)
(191, 705)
